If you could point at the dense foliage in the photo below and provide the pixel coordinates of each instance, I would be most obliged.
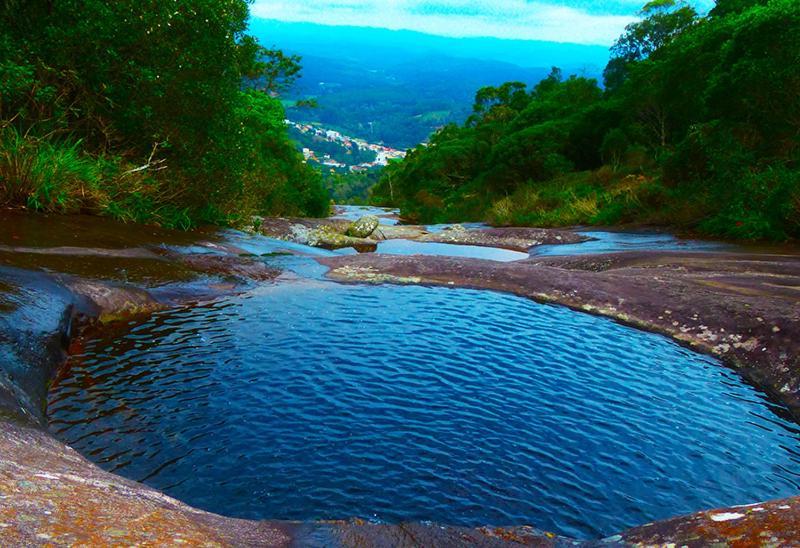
(143, 111)
(351, 188)
(698, 125)
(397, 104)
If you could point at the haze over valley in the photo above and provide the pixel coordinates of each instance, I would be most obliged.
(397, 87)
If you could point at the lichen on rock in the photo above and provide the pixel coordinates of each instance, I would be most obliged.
(363, 227)
(329, 238)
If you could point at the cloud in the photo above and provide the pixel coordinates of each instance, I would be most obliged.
(582, 22)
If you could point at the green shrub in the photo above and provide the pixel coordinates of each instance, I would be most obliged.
(759, 206)
(46, 176)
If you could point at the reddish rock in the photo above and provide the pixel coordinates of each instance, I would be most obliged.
(230, 266)
(775, 523)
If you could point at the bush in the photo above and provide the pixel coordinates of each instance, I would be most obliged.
(46, 176)
(760, 206)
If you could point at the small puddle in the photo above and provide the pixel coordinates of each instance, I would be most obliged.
(311, 400)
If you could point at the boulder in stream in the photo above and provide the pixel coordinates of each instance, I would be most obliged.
(363, 227)
(328, 238)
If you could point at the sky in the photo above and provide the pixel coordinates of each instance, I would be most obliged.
(595, 22)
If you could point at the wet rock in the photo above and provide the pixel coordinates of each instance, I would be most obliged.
(150, 270)
(329, 238)
(74, 251)
(297, 230)
(244, 268)
(299, 234)
(403, 232)
(53, 496)
(34, 328)
(111, 302)
(363, 227)
(25, 229)
(356, 533)
(772, 523)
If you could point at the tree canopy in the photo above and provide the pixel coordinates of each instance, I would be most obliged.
(698, 125)
(153, 97)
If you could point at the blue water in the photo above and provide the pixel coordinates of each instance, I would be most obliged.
(311, 400)
(443, 227)
(353, 213)
(616, 242)
(411, 247)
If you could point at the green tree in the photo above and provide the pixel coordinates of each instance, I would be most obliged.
(615, 145)
(701, 128)
(153, 87)
(731, 7)
(276, 70)
(662, 20)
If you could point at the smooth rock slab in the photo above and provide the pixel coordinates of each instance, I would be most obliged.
(52, 495)
(772, 523)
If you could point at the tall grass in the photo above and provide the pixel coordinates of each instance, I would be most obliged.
(46, 175)
(51, 175)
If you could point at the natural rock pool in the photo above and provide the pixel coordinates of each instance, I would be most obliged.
(311, 400)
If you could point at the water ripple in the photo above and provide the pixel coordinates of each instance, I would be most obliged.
(414, 403)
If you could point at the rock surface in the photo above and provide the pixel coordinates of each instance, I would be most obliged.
(329, 238)
(743, 308)
(296, 229)
(53, 496)
(772, 523)
(407, 232)
(363, 227)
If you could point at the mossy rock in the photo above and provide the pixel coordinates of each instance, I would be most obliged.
(327, 237)
(363, 227)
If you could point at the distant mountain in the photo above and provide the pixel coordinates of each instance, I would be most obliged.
(397, 87)
(381, 46)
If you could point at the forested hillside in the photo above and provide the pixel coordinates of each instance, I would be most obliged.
(698, 125)
(397, 87)
(399, 105)
(143, 111)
